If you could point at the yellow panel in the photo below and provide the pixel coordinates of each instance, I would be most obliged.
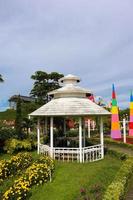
(114, 110)
(131, 105)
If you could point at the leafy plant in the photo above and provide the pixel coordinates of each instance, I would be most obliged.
(14, 145)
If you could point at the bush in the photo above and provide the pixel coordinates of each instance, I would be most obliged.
(15, 145)
(116, 190)
(36, 174)
(121, 144)
(72, 133)
(20, 189)
(6, 133)
(46, 160)
(119, 155)
(15, 164)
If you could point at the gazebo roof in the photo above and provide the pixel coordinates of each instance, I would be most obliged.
(70, 107)
(70, 100)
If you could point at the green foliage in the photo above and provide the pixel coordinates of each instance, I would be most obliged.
(124, 113)
(119, 155)
(7, 133)
(117, 143)
(9, 114)
(116, 190)
(46, 160)
(27, 108)
(18, 121)
(43, 84)
(72, 133)
(15, 145)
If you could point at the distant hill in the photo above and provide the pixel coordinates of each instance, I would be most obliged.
(9, 114)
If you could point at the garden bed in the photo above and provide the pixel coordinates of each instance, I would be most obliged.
(21, 172)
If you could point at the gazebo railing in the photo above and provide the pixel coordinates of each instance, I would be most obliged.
(44, 149)
(89, 154)
(66, 154)
(92, 153)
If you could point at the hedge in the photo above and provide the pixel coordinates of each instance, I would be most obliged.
(116, 190)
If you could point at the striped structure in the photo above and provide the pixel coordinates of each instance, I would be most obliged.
(131, 116)
(115, 126)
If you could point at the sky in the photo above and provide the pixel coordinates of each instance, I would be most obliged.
(92, 39)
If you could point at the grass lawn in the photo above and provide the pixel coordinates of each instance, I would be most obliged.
(69, 178)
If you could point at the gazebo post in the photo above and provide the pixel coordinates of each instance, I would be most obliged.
(83, 133)
(64, 126)
(101, 136)
(46, 126)
(29, 130)
(80, 138)
(38, 135)
(51, 137)
(89, 128)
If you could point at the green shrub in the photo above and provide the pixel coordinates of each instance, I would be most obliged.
(119, 155)
(15, 145)
(6, 133)
(72, 133)
(116, 190)
(46, 160)
(120, 144)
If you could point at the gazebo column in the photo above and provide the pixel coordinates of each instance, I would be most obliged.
(80, 138)
(83, 133)
(29, 130)
(51, 137)
(101, 136)
(45, 125)
(38, 135)
(89, 128)
(64, 126)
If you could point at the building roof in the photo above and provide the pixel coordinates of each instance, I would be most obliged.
(70, 100)
(14, 98)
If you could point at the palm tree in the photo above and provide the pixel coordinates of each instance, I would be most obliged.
(1, 79)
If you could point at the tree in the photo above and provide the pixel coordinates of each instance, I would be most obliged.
(18, 121)
(43, 84)
(1, 79)
(26, 124)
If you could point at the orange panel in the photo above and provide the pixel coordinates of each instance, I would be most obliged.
(131, 111)
(115, 126)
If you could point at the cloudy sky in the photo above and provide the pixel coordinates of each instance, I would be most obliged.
(89, 38)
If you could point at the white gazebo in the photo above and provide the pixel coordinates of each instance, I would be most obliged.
(71, 101)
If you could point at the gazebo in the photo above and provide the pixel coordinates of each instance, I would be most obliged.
(71, 101)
